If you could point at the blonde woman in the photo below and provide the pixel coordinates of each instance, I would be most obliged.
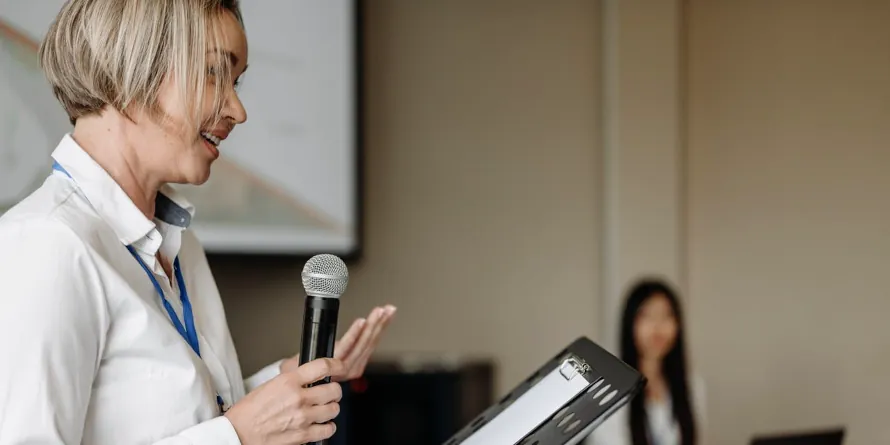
(112, 331)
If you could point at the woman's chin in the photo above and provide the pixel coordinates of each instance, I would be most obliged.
(199, 178)
(198, 174)
(656, 352)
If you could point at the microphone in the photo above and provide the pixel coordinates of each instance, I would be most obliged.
(324, 279)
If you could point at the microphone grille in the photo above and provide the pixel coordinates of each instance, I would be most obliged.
(325, 276)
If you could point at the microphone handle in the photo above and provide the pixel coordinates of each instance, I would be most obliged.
(319, 334)
(319, 330)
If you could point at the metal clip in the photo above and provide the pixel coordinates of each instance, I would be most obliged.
(573, 366)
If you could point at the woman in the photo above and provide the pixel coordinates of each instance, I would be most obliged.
(112, 330)
(669, 411)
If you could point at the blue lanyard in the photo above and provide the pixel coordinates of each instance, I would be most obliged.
(188, 332)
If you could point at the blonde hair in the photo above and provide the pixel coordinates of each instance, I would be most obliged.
(117, 53)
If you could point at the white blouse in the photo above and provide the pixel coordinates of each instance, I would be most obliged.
(89, 354)
(663, 428)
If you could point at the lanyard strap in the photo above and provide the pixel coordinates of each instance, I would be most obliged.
(188, 332)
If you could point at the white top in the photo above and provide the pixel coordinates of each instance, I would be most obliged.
(89, 355)
(663, 428)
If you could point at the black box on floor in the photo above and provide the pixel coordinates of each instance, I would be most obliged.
(413, 402)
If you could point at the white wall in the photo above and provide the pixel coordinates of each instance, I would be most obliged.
(789, 223)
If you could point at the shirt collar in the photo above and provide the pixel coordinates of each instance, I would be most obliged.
(114, 206)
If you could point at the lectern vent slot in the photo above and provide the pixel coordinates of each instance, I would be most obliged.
(601, 392)
(566, 419)
(572, 426)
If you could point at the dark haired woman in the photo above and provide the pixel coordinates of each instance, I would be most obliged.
(670, 410)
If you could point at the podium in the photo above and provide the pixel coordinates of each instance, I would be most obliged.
(560, 404)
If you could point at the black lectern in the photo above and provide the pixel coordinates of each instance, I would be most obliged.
(560, 404)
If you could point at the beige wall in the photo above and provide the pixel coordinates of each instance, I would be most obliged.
(482, 187)
(789, 222)
(485, 189)
(642, 174)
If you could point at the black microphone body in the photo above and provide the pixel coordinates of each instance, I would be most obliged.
(319, 330)
(325, 278)
(319, 334)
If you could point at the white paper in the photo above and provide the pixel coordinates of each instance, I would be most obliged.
(531, 409)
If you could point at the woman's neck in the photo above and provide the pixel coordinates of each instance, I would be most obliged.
(103, 139)
(651, 368)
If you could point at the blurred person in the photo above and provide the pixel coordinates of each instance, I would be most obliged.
(670, 411)
(112, 330)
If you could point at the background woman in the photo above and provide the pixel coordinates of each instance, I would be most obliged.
(670, 410)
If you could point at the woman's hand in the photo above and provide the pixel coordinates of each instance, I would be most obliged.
(284, 412)
(356, 346)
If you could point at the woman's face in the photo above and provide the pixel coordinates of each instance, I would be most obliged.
(655, 328)
(172, 150)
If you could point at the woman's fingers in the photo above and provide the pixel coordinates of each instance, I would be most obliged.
(316, 433)
(367, 335)
(323, 394)
(317, 369)
(347, 343)
(323, 413)
(374, 338)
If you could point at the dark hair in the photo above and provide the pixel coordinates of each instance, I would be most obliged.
(673, 367)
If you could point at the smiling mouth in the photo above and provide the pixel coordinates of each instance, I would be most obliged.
(213, 140)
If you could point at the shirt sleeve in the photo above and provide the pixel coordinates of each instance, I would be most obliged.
(262, 376)
(52, 325)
